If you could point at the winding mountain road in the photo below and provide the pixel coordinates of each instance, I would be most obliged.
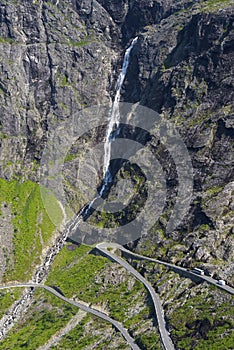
(185, 272)
(95, 312)
(165, 338)
(103, 249)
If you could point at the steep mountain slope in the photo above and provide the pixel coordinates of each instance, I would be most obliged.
(58, 57)
(190, 81)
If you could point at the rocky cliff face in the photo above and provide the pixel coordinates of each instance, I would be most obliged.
(49, 69)
(184, 71)
(58, 57)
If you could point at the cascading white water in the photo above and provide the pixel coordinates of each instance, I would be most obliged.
(44, 268)
(114, 116)
(113, 122)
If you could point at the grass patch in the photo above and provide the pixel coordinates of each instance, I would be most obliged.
(32, 225)
(80, 43)
(215, 5)
(70, 157)
(46, 316)
(74, 272)
(78, 338)
(6, 40)
(214, 190)
(151, 342)
(7, 298)
(200, 323)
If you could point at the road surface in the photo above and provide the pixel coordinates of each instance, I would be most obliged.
(165, 338)
(185, 272)
(97, 313)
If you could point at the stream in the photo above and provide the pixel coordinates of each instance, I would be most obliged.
(21, 306)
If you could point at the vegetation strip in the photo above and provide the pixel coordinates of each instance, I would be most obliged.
(97, 313)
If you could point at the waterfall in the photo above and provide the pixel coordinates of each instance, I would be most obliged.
(113, 122)
(43, 269)
(114, 118)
